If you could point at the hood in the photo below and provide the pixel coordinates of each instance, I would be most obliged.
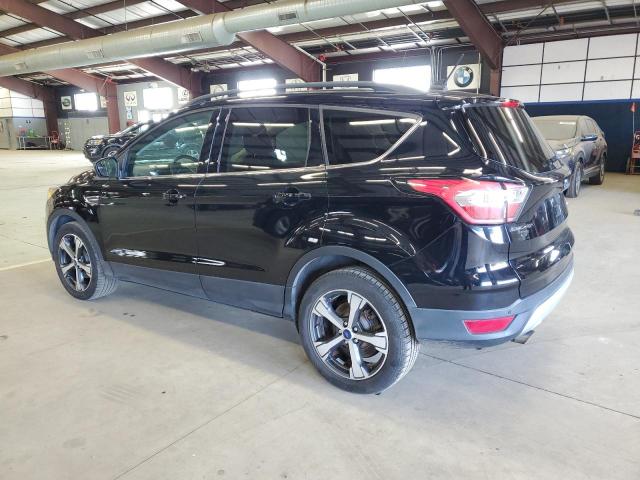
(82, 177)
(560, 144)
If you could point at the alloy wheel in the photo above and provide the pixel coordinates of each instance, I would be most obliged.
(74, 262)
(349, 335)
(578, 179)
(601, 171)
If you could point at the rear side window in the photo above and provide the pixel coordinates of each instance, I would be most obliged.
(508, 135)
(360, 136)
(268, 138)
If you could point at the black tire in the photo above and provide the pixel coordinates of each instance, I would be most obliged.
(598, 178)
(384, 307)
(110, 150)
(576, 181)
(100, 284)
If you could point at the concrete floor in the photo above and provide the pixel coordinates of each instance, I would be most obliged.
(145, 384)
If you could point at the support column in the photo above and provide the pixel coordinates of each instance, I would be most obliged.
(113, 115)
(494, 82)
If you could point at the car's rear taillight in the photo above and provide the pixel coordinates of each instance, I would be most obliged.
(488, 325)
(477, 201)
(510, 104)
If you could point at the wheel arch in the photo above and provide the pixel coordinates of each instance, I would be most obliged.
(324, 259)
(61, 217)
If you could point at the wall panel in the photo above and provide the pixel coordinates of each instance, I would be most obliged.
(597, 68)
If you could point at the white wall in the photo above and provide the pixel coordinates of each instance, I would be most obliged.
(14, 104)
(139, 88)
(597, 68)
(75, 131)
(13, 126)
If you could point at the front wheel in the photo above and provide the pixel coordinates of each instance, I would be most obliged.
(576, 181)
(110, 150)
(599, 178)
(355, 331)
(77, 263)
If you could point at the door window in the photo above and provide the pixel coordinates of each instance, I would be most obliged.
(585, 127)
(173, 148)
(268, 138)
(360, 136)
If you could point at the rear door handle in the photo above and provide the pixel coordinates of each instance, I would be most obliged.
(172, 196)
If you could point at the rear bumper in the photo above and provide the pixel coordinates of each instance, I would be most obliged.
(447, 325)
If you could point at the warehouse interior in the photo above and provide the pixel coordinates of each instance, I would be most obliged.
(152, 384)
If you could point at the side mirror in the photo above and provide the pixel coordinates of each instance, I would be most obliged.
(589, 138)
(107, 167)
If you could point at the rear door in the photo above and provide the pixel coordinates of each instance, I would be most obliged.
(540, 240)
(262, 205)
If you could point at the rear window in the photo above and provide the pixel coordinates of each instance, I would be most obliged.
(554, 129)
(507, 135)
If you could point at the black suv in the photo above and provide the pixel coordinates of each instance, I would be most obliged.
(372, 217)
(100, 146)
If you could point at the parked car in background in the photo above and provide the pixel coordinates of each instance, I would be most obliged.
(100, 146)
(371, 216)
(579, 142)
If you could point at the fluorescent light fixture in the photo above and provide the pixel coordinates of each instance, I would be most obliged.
(267, 125)
(190, 129)
(158, 98)
(382, 121)
(86, 102)
(417, 76)
(257, 88)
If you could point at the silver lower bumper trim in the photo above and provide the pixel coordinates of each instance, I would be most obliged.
(545, 308)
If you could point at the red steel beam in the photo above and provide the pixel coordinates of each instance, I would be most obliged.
(88, 82)
(46, 18)
(278, 50)
(478, 29)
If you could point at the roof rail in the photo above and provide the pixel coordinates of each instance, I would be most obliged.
(373, 86)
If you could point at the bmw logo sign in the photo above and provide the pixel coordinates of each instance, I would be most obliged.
(463, 76)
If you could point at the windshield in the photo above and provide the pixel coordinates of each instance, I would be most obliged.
(507, 135)
(554, 129)
(136, 129)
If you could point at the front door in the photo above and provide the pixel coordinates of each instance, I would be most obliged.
(147, 216)
(261, 206)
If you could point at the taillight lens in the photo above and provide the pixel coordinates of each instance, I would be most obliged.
(489, 325)
(510, 104)
(477, 201)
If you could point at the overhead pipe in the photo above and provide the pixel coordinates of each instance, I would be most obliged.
(205, 31)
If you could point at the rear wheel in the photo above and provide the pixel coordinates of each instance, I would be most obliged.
(576, 181)
(599, 178)
(356, 332)
(77, 263)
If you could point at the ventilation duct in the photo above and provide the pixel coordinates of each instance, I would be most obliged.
(205, 31)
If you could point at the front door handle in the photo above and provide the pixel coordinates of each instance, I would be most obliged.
(172, 196)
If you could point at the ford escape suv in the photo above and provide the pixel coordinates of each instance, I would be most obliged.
(372, 217)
